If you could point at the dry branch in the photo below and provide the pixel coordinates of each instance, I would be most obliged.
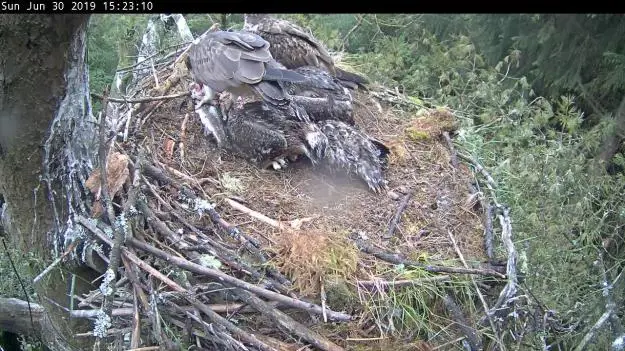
(288, 323)
(143, 99)
(396, 259)
(452, 150)
(397, 216)
(402, 283)
(224, 278)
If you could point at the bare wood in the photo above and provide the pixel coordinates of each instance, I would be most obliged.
(396, 259)
(293, 224)
(143, 99)
(470, 332)
(475, 342)
(489, 179)
(132, 257)
(288, 323)
(401, 283)
(452, 150)
(236, 331)
(224, 278)
(397, 216)
(15, 317)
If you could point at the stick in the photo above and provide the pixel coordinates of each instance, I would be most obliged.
(470, 332)
(143, 99)
(479, 168)
(397, 216)
(183, 135)
(141, 264)
(284, 321)
(294, 224)
(402, 283)
(452, 150)
(115, 254)
(395, 259)
(224, 278)
(236, 331)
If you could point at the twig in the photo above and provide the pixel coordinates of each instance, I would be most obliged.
(236, 331)
(397, 216)
(144, 99)
(224, 278)
(473, 334)
(133, 258)
(346, 37)
(395, 259)
(402, 283)
(288, 323)
(488, 233)
(452, 150)
(593, 330)
(183, 135)
(474, 340)
(70, 248)
(489, 179)
(509, 291)
(294, 224)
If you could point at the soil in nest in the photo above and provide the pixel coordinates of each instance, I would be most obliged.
(338, 204)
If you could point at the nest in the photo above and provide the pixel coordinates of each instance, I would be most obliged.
(234, 257)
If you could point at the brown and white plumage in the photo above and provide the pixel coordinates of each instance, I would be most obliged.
(269, 135)
(352, 151)
(322, 95)
(263, 133)
(294, 47)
(238, 62)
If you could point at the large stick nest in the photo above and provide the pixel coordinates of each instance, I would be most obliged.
(216, 253)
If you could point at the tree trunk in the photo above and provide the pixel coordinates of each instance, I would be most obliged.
(46, 148)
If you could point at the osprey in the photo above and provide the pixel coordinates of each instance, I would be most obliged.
(263, 133)
(323, 96)
(269, 135)
(238, 62)
(293, 47)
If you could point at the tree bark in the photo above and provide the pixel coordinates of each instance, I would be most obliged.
(45, 127)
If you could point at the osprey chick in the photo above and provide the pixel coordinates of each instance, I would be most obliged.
(294, 47)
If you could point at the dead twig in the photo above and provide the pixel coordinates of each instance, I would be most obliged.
(397, 216)
(470, 332)
(288, 323)
(401, 283)
(225, 278)
(395, 259)
(452, 150)
(143, 99)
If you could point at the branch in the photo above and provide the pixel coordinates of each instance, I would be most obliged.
(395, 259)
(288, 323)
(15, 317)
(144, 99)
(397, 216)
(225, 278)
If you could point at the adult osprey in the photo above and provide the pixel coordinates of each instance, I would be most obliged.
(293, 47)
(238, 62)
